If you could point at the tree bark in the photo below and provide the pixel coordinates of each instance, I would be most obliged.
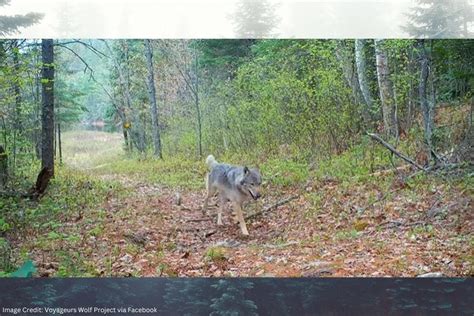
(42, 182)
(60, 145)
(345, 58)
(361, 74)
(47, 115)
(427, 107)
(152, 97)
(136, 130)
(386, 90)
(3, 168)
(17, 89)
(198, 109)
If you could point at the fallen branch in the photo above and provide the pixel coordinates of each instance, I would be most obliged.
(272, 207)
(393, 150)
(200, 219)
(210, 233)
(392, 224)
(388, 171)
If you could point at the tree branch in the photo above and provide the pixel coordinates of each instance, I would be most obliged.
(273, 207)
(397, 153)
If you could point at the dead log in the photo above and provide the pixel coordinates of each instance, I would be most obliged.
(397, 153)
(272, 207)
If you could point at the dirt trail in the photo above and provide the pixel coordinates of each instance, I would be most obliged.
(181, 240)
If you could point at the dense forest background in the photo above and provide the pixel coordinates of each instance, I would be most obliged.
(306, 99)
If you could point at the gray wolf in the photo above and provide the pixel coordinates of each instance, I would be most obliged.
(236, 184)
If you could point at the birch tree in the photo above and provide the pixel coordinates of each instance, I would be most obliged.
(427, 107)
(389, 110)
(361, 72)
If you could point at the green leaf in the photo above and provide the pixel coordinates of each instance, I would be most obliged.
(25, 271)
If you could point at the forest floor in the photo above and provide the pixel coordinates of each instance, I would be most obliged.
(129, 223)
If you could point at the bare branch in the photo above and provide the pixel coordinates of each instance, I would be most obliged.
(273, 207)
(393, 150)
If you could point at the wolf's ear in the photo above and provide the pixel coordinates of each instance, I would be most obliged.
(246, 170)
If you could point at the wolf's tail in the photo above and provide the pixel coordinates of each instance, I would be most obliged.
(211, 161)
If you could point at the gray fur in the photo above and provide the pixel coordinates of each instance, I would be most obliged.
(236, 184)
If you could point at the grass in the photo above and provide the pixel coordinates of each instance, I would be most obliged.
(87, 150)
(215, 254)
(69, 193)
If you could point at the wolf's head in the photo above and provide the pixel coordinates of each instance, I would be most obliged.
(251, 182)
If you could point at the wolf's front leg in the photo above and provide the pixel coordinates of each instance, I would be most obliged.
(240, 218)
(219, 212)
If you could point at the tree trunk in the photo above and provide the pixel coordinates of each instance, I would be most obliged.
(136, 130)
(37, 108)
(17, 89)
(198, 109)
(152, 97)
(361, 74)
(3, 168)
(47, 115)
(427, 107)
(60, 145)
(347, 64)
(386, 90)
(411, 91)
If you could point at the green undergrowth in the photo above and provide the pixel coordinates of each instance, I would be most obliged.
(175, 172)
(358, 164)
(70, 196)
